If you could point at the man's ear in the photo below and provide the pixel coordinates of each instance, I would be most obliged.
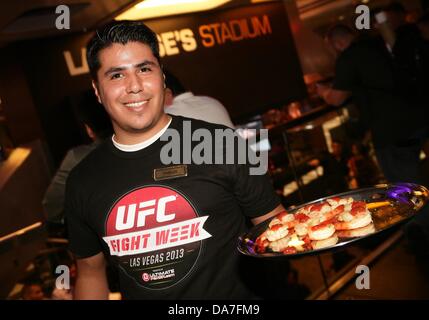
(94, 86)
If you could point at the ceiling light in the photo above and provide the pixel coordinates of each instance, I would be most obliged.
(159, 8)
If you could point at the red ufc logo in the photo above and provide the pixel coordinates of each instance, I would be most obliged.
(133, 218)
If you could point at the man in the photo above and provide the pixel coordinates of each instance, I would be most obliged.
(399, 127)
(410, 56)
(364, 70)
(185, 103)
(171, 231)
(396, 15)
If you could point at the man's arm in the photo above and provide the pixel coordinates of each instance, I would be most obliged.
(270, 214)
(91, 282)
(332, 96)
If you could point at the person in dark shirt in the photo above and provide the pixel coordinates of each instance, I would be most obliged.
(365, 72)
(98, 127)
(409, 56)
(125, 205)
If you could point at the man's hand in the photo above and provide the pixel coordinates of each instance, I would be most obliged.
(332, 96)
(321, 89)
(270, 214)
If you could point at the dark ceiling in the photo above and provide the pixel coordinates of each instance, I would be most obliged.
(26, 19)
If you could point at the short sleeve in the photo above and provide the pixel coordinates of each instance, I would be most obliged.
(83, 240)
(254, 193)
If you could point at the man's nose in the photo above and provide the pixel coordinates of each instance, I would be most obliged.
(134, 84)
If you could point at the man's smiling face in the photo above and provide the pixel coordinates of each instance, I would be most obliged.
(130, 85)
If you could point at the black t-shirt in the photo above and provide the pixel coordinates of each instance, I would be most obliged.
(410, 57)
(171, 239)
(366, 70)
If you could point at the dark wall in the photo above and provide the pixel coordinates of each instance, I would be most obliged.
(245, 57)
(247, 75)
(53, 88)
(23, 121)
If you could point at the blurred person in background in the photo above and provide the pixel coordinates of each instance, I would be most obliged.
(409, 56)
(32, 291)
(181, 102)
(394, 115)
(365, 72)
(97, 125)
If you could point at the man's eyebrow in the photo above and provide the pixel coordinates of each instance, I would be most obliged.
(138, 65)
(145, 63)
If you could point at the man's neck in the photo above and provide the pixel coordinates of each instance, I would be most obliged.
(131, 138)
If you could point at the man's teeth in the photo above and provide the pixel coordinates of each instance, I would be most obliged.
(135, 104)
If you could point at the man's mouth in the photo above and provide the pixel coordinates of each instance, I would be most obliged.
(135, 104)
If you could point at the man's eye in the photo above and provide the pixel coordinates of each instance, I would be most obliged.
(115, 76)
(145, 69)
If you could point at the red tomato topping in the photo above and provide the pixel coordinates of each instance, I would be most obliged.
(276, 227)
(338, 209)
(306, 239)
(317, 207)
(301, 217)
(358, 204)
(356, 211)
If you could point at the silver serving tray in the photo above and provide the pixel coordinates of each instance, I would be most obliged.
(390, 205)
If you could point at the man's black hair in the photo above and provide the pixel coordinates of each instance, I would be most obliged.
(375, 11)
(396, 7)
(119, 32)
(174, 84)
(339, 31)
(93, 114)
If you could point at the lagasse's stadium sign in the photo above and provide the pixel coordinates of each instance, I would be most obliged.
(187, 40)
(213, 34)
